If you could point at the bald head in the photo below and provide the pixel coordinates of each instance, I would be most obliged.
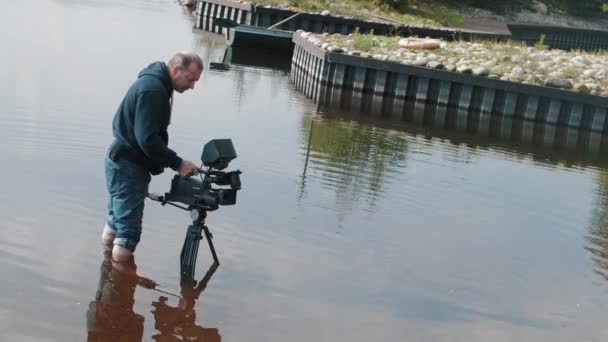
(185, 70)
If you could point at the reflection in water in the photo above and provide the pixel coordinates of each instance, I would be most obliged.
(357, 155)
(542, 142)
(111, 316)
(598, 230)
(179, 323)
(354, 159)
(255, 57)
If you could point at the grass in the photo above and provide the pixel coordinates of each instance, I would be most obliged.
(571, 73)
(431, 13)
(540, 45)
(364, 42)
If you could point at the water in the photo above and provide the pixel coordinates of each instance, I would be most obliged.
(346, 229)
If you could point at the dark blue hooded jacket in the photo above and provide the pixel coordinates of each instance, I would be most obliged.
(140, 123)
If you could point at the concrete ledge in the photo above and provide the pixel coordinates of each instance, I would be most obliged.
(559, 37)
(398, 90)
(231, 3)
(258, 15)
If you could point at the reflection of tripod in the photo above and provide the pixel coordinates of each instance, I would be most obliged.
(179, 323)
(191, 242)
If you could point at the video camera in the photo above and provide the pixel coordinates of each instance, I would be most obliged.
(216, 188)
(201, 194)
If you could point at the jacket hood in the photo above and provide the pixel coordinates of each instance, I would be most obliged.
(160, 71)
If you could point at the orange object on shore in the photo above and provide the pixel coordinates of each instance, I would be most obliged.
(419, 43)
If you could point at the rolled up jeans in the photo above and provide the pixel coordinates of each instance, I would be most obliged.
(127, 184)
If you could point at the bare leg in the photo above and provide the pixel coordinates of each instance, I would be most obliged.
(107, 237)
(121, 254)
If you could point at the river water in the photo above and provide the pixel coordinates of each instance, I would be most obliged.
(347, 229)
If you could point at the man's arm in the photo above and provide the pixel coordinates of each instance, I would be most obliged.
(149, 114)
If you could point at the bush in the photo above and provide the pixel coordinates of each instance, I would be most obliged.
(363, 42)
(399, 5)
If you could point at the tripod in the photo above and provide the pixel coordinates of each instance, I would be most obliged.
(191, 243)
(194, 235)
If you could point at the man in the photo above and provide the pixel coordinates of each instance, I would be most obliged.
(140, 147)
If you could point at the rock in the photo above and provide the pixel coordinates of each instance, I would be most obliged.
(324, 46)
(379, 56)
(464, 69)
(305, 34)
(355, 53)
(517, 72)
(516, 59)
(539, 7)
(435, 65)
(579, 60)
(364, 54)
(589, 73)
(582, 88)
(555, 74)
(420, 62)
(481, 71)
(334, 49)
(556, 82)
(394, 58)
(325, 13)
(450, 67)
(592, 86)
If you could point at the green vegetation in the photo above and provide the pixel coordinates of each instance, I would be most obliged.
(364, 42)
(436, 12)
(432, 13)
(540, 45)
(356, 156)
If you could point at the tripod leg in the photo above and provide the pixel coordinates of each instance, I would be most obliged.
(210, 242)
(190, 251)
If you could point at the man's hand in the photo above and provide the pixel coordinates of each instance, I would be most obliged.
(187, 168)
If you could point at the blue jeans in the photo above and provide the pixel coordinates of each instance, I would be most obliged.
(127, 184)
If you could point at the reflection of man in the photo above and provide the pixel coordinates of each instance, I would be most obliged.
(140, 146)
(110, 316)
(179, 323)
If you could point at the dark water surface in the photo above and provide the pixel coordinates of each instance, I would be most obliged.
(346, 230)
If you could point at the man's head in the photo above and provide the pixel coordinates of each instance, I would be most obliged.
(185, 70)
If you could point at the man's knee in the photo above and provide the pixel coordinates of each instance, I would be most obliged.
(108, 235)
(121, 254)
(129, 242)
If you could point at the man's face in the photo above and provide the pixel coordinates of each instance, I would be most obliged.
(184, 79)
